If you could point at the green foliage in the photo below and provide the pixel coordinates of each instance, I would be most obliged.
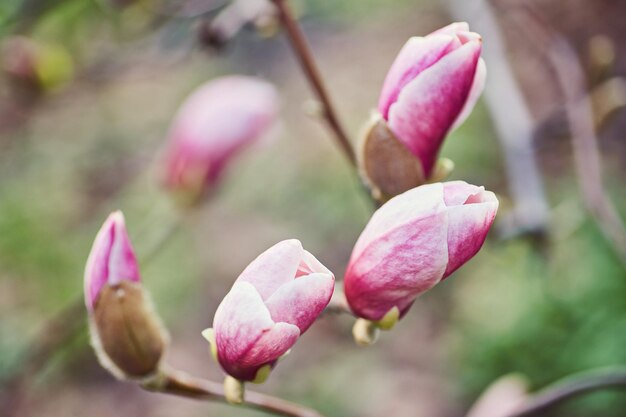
(31, 248)
(545, 317)
(352, 9)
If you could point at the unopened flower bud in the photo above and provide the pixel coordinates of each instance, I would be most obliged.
(411, 243)
(430, 90)
(502, 398)
(126, 333)
(215, 123)
(272, 303)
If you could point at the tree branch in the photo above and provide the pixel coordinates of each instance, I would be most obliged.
(579, 114)
(571, 387)
(181, 384)
(307, 62)
(56, 331)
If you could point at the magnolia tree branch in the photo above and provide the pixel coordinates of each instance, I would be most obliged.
(579, 115)
(57, 331)
(182, 384)
(571, 387)
(307, 62)
(511, 119)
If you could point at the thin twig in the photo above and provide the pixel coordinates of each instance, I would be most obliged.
(607, 98)
(571, 387)
(307, 62)
(579, 114)
(56, 332)
(181, 384)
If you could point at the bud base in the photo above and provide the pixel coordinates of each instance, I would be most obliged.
(365, 332)
(128, 338)
(386, 164)
(233, 390)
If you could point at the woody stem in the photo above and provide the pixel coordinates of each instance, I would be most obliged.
(307, 62)
(179, 383)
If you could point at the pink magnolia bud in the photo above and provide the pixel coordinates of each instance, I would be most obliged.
(127, 335)
(215, 123)
(431, 88)
(112, 259)
(274, 301)
(412, 242)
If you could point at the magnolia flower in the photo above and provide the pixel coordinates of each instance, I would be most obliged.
(272, 303)
(126, 333)
(214, 124)
(430, 89)
(414, 241)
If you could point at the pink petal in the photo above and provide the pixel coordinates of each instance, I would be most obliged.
(466, 36)
(456, 193)
(452, 29)
(398, 266)
(401, 210)
(468, 224)
(215, 122)
(309, 264)
(478, 86)
(274, 267)
(240, 320)
(428, 106)
(267, 349)
(111, 260)
(401, 253)
(415, 56)
(301, 301)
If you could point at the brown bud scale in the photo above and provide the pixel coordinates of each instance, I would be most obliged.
(127, 332)
(386, 165)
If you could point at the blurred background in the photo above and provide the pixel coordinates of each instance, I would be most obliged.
(88, 89)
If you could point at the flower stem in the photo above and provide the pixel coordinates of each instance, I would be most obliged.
(307, 62)
(181, 384)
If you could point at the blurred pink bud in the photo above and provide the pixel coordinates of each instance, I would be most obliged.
(274, 301)
(431, 88)
(111, 261)
(215, 123)
(33, 66)
(19, 58)
(502, 397)
(412, 242)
